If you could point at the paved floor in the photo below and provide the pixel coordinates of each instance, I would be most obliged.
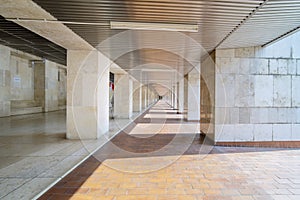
(34, 152)
(161, 157)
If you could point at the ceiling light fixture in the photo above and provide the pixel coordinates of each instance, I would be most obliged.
(56, 21)
(154, 26)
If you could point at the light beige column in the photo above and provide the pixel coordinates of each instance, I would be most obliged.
(51, 86)
(144, 97)
(148, 96)
(181, 95)
(5, 81)
(87, 94)
(194, 95)
(137, 96)
(123, 96)
(39, 84)
(175, 99)
(151, 97)
(172, 95)
(185, 92)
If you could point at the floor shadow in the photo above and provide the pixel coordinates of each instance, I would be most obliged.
(124, 145)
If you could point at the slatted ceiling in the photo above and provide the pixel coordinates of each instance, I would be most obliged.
(215, 18)
(274, 19)
(93, 34)
(144, 56)
(19, 38)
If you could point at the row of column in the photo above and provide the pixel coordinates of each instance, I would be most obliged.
(184, 94)
(131, 96)
(88, 95)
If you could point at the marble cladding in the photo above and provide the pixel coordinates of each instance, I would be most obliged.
(51, 86)
(87, 94)
(62, 90)
(137, 96)
(257, 97)
(123, 98)
(207, 89)
(144, 97)
(39, 84)
(19, 82)
(81, 104)
(193, 112)
(5, 80)
(22, 79)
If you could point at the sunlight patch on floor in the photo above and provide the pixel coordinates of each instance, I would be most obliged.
(164, 116)
(153, 128)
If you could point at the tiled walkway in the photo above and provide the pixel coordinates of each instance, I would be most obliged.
(160, 157)
(34, 152)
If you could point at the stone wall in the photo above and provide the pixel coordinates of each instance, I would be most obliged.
(258, 94)
(23, 79)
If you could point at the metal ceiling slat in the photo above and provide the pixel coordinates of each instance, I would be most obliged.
(218, 20)
(212, 16)
(15, 36)
(275, 19)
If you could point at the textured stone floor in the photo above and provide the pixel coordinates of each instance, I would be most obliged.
(34, 152)
(170, 163)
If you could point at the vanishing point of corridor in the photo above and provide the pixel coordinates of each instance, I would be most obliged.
(159, 156)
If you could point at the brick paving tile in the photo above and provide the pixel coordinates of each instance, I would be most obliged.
(231, 173)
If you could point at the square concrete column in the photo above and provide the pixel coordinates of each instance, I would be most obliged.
(144, 97)
(87, 94)
(172, 96)
(51, 86)
(137, 96)
(5, 81)
(152, 97)
(194, 95)
(181, 95)
(39, 84)
(175, 96)
(185, 92)
(123, 96)
(148, 96)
